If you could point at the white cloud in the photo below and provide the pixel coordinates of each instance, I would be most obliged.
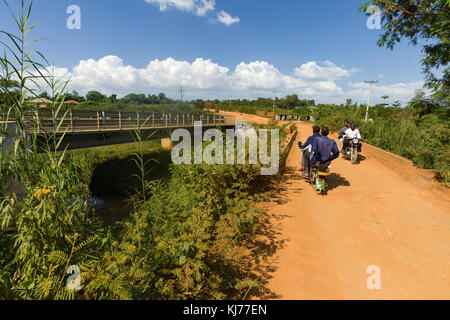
(227, 19)
(329, 71)
(206, 79)
(398, 91)
(201, 74)
(257, 75)
(198, 7)
(262, 76)
(109, 72)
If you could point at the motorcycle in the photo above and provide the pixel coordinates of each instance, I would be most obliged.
(316, 176)
(319, 180)
(352, 149)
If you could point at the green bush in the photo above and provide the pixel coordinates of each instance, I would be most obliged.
(187, 241)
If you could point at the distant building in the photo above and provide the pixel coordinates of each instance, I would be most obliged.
(243, 125)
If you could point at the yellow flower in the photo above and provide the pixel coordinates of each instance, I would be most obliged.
(44, 192)
(41, 193)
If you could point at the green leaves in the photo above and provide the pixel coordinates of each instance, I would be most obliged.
(189, 234)
(182, 260)
(427, 20)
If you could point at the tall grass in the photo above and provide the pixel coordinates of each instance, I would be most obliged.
(39, 229)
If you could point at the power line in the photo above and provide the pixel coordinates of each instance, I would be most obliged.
(371, 82)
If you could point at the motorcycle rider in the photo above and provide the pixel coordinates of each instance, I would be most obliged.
(352, 133)
(307, 150)
(324, 150)
(341, 135)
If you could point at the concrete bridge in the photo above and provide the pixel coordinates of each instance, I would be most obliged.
(86, 128)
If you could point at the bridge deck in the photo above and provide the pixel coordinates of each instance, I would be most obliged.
(47, 121)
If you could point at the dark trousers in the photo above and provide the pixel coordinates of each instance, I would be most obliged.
(323, 166)
(306, 160)
(346, 142)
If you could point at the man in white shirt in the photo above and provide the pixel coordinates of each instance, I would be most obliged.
(342, 133)
(351, 133)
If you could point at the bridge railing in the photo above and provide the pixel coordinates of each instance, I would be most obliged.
(78, 121)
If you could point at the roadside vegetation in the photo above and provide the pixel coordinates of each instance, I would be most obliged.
(187, 237)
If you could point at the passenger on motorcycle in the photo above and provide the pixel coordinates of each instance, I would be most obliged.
(352, 133)
(324, 150)
(307, 150)
(342, 133)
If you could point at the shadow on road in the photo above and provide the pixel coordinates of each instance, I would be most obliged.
(335, 180)
(265, 245)
(361, 158)
(262, 259)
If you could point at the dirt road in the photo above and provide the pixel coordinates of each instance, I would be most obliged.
(243, 116)
(381, 212)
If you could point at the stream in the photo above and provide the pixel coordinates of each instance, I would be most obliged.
(112, 209)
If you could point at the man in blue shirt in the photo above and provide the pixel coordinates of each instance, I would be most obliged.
(307, 150)
(324, 150)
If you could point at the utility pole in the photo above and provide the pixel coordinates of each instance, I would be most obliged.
(273, 108)
(181, 92)
(371, 83)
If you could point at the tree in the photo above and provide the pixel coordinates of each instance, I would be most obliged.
(74, 95)
(397, 104)
(348, 102)
(292, 101)
(199, 103)
(427, 20)
(95, 96)
(153, 99)
(44, 94)
(420, 105)
(136, 98)
(8, 88)
(161, 97)
(8, 85)
(113, 98)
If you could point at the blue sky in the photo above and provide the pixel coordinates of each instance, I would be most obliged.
(317, 49)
